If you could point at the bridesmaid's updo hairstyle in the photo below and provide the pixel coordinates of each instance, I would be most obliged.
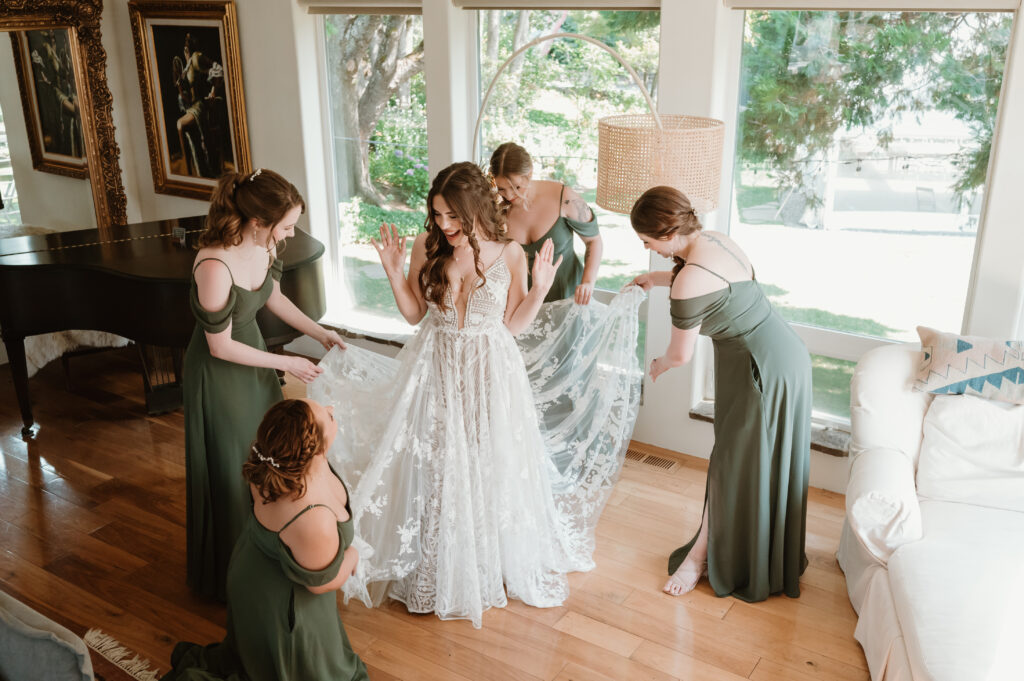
(286, 442)
(468, 194)
(261, 194)
(510, 159)
(663, 212)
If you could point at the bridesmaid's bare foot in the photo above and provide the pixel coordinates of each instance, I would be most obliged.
(685, 578)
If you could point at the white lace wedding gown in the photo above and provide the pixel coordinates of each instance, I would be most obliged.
(472, 471)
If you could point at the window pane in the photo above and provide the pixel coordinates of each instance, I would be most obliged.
(10, 216)
(862, 153)
(552, 97)
(832, 385)
(377, 101)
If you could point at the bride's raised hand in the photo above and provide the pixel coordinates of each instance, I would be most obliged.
(391, 249)
(543, 269)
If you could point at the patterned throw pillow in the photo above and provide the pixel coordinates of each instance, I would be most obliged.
(971, 365)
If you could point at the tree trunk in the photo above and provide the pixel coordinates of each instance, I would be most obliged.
(493, 35)
(545, 48)
(515, 69)
(372, 69)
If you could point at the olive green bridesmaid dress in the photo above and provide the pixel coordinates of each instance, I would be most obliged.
(756, 494)
(278, 630)
(570, 272)
(224, 404)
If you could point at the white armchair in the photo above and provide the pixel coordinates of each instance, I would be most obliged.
(938, 584)
(885, 416)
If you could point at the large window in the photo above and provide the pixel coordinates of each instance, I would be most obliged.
(9, 214)
(550, 99)
(861, 158)
(377, 101)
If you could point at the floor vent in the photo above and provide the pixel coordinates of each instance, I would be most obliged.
(634, 455)
(658, 462)
(650, 459)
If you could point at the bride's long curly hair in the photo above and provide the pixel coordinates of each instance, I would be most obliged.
(468, 194)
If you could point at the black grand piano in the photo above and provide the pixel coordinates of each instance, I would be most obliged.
(132, 280)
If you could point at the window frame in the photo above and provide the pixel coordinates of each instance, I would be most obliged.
(823, 341)
(710, 67)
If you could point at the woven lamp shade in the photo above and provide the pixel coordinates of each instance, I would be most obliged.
(634, 155)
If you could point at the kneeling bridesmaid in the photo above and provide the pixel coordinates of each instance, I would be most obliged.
(294, 552)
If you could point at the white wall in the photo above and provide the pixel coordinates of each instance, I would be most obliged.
(45, 199)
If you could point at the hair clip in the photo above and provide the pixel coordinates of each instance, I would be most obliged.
(265, 459)
(255, 174)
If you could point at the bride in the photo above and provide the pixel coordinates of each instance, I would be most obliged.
(478, 467)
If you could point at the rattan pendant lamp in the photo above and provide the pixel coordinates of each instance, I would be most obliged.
(640, 151)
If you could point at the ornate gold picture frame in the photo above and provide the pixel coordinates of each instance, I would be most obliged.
(49, 98)
(190, 74)
(81, 18)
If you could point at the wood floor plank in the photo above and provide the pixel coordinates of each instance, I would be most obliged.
(777, 644)
(570, 648)
(680, 664)
(438, 651)
(612, 638)
(578, 672)
(672, 625)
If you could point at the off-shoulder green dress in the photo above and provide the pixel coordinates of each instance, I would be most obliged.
(570, 272)
(278, 630)
(224, 404)
(756, 495)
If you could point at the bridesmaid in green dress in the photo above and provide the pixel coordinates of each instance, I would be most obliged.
(538, 210)
(751, 538)
(229, 379)
(294, 553)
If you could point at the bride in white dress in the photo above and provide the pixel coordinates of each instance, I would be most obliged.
(478, 467)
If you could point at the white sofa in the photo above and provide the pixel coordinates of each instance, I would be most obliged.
(938, 585)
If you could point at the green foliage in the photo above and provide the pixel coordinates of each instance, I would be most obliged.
(398, 152)
(831, 379)
(364, 220)
(747, 197)
(551, 105)
(808, 75)
(547, 118)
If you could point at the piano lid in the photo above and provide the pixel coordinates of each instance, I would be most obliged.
(148, 250)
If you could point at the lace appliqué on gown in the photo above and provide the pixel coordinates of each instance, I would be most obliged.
(478, 466)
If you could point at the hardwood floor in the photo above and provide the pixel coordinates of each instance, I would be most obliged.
(92, 516)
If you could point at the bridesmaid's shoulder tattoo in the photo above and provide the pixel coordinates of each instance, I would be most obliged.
(577, 209)
(715, 240)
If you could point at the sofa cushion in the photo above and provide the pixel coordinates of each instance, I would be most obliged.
(971, 365)
(973, 452)
(35, 648)
(958, 593)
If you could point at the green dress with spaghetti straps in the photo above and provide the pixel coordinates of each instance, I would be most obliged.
(756, 493)
(277, 629)
(224, 404)
(570, 272)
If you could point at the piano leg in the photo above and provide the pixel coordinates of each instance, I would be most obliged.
(19, 372)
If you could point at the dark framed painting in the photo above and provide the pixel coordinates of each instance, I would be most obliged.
(44, 62)
(190, 74)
